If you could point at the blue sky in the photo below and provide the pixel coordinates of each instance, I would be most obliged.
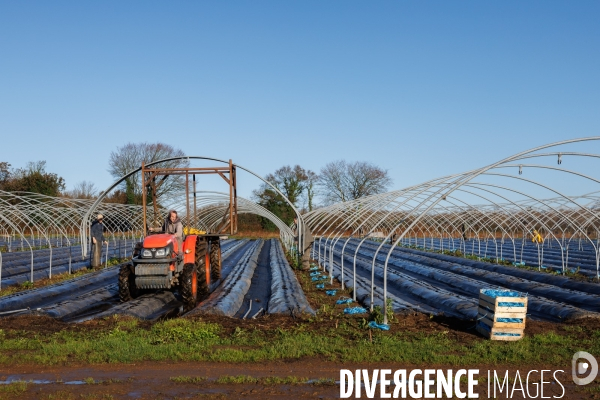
(422, 89)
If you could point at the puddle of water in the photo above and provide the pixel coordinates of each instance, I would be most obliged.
(34, 381)
(40, 382)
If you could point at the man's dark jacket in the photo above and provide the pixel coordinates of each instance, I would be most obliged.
(98, 231)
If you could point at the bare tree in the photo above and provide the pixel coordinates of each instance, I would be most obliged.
(83, 190)
(343, 181)
(312, 180)
(130, 157)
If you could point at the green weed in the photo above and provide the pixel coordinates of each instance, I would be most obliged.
(13, 388)
(288, 380)
(238, 379)
(324, 382)
(187, 379)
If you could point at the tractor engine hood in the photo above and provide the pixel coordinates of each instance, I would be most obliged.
(160, 240)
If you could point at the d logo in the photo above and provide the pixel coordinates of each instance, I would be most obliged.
(583, 367)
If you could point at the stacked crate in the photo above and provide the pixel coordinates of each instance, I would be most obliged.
(501, 314)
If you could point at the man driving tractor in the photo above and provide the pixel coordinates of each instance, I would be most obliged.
(174, 226)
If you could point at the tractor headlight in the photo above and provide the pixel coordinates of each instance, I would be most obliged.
(146, 253)
(162, 252)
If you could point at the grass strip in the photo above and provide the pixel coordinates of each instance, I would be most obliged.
(131, 341)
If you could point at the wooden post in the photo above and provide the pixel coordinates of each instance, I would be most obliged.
(231, 197)
(235, 206)
(187, 197)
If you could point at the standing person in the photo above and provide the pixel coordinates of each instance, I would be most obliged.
(174, 226)
(307, 241)
(97, 232)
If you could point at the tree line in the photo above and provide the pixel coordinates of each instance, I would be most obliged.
(33, 178)
(337, 181)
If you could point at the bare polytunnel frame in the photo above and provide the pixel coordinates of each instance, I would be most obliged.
(37, 221)
(87, 218)
(445, 208)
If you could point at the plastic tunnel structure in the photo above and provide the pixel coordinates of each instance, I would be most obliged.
(544, 200)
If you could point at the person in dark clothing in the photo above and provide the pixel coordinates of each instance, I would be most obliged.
(97, 233)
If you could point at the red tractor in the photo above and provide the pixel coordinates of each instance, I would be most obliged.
(159, 264)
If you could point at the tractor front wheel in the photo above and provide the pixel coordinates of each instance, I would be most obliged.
(127, 289)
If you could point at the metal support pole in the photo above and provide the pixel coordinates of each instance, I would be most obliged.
(50, 271)
(106, 258)
(331, 265)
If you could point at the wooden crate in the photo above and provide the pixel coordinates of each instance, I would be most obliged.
(491, 312)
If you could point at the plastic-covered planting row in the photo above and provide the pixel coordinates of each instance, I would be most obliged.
(150, 306)
(499, 248)
(92, 294)
(453, 289)
(483, 268)
(404, 304)
(41, 264)
(228, 297)
(287, 297)
(546, 199)
(42, 297)
(104, 301)
(523, 252)
(460, 277)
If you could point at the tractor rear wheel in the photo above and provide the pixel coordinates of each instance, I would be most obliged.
(191, 287)
(215, 260)
(203, 261)
(127, 289)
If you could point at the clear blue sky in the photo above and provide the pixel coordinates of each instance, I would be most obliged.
(422, 89)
